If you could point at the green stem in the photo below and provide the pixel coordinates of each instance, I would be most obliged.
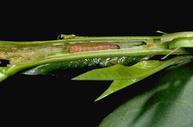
(24, 55)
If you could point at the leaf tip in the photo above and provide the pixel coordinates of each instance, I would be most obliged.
(75, 78)
(103, 95)
(99, 98)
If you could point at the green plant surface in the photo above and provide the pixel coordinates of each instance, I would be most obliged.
(181, 42)
(124, 76)
(168, 104)
(49, 68)
(121, 72)
(127, 64)
(26, 55)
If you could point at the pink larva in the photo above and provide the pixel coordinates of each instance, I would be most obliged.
(81, 47)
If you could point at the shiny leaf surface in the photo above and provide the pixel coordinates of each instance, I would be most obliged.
(168, 104)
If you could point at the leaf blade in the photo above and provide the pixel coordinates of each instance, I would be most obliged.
(116, 85)
(125, 76)
(121, 72)
(168, 104)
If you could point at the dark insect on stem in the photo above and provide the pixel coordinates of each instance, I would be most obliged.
(81, 47)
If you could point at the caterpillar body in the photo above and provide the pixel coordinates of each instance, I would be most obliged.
(81, 47)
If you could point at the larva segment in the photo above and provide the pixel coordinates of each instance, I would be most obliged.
(81, 47)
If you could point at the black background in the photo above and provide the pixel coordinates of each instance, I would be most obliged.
(56, 100)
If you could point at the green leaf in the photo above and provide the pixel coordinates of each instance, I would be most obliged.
(124, 76)
(115, 86)
(138, 71)
(168, 103)
(120, 72)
